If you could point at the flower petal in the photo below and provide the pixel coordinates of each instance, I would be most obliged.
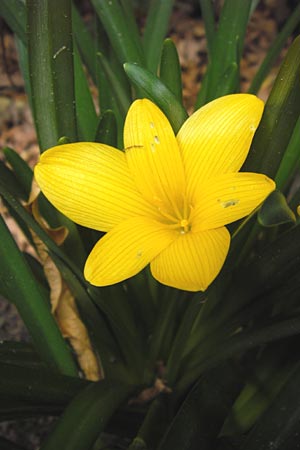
(193, 261)
(126, 250)
(153, 155)
(91, 184)
(229, 197)
(216, 138)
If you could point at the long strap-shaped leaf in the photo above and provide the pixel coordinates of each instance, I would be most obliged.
(155, 31)
(37, 385)
(222, 349)
(222, 76)
(121, 30)
(275, 50)
(279, 118)
(13, 12)
(202, 414)
(18, 284)
(170, 71)
(87, 415)
(51, 69)
(278, 427)
(156, 91)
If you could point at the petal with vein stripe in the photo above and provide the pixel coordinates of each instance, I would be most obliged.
(228, 198)
(193, 261)
(126, 250)
(153, 155)
(91, 184)
(216, 138)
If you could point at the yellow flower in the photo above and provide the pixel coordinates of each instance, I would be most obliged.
(166, 199)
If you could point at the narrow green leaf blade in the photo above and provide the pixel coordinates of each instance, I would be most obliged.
(202, 414)
(290, 159)
(37, 385)
(279, 118)
(22, 171)
(123, 35)
(85, 109)
(170, 70)
(121, 96)
(85, 43)
(10, 180)
(208, 16)
(14, 14)
(156, 91)
(107, 131)
(275, 211)
(275, 50)
(278, 428)
(50, 41)
(155, 31)
(226, 51)
(92, 408)
(19, 285)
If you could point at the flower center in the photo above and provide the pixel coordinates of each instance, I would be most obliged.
(179, 219)
(185, 226)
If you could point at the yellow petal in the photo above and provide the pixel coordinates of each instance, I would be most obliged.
(193, 261)
(216, 138)
(153, 155)
(229, 197)
(126, 250)
(91, 184)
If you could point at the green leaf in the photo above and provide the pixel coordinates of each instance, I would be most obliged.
(265, 380)
(278, 427)
(18, 284)
(121, 30)
(36, 385)
(170, 70)
(24, 67)
(113, 303)
(85, 109)
(50, 42)
(14, 14)
(121, 96)
(96, 324)
(19, 353)
(279, 118)
(179, 342)
(155, 31)
(275, 211)
(10, 180)
(226, 51)
(275, 50)
(154, 425)
(85, 43)
(107, 132)
(156, 91)
(202, 414)
(290, 159)
(165, 327)
(103, 46)
(208, 16)
(21, 169)
(224, 348)
(91, 408)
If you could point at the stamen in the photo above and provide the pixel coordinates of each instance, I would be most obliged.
(168, 216)
(184, 226)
